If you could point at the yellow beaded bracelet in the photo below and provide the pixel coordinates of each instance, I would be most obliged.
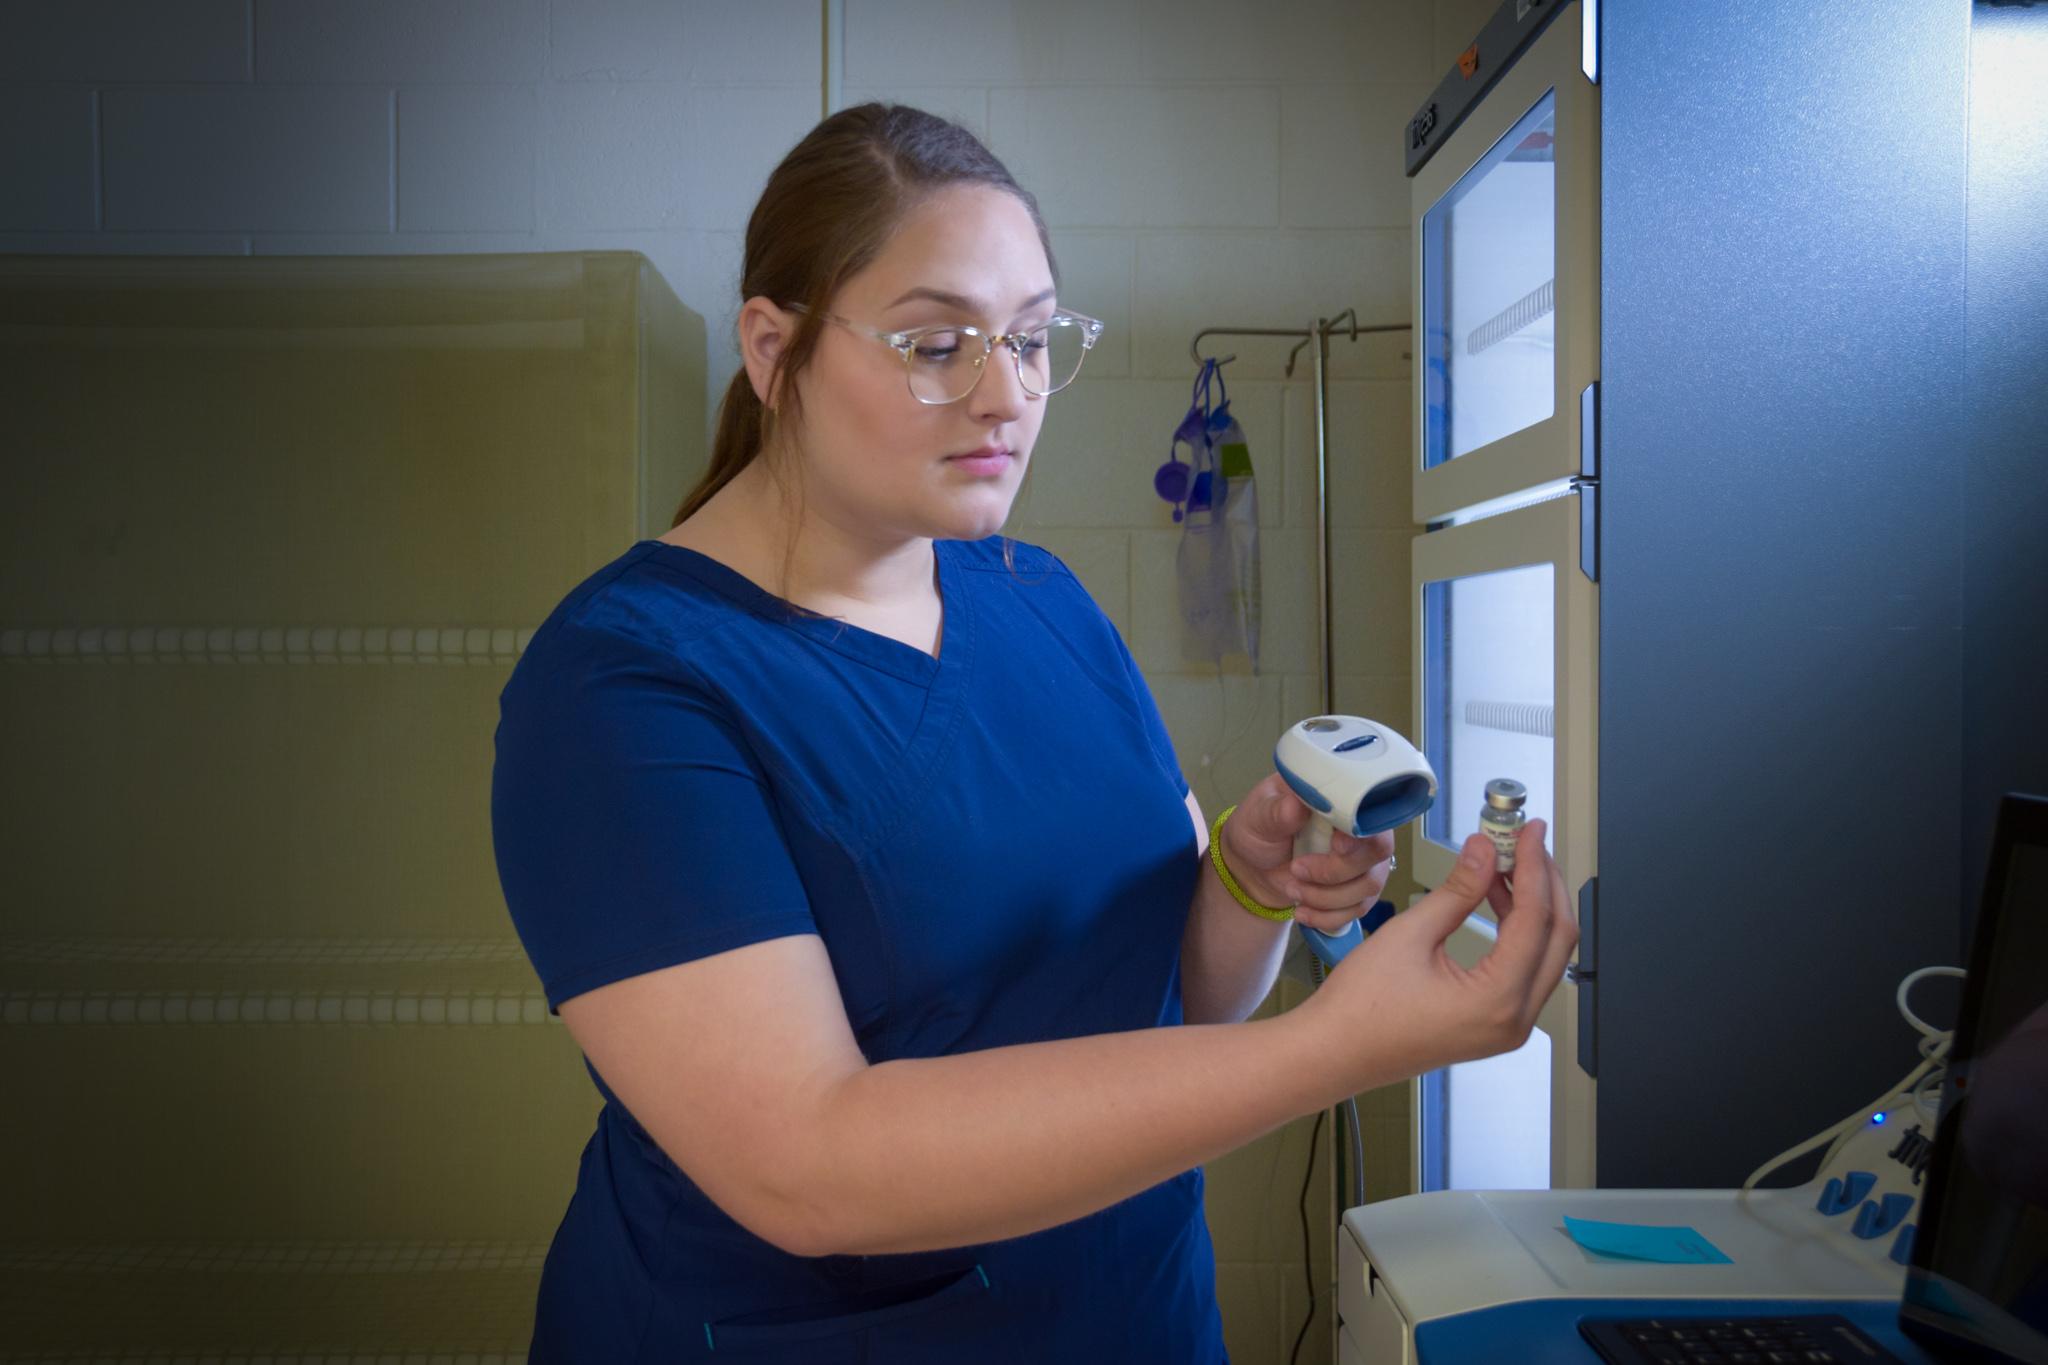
(1230, 882)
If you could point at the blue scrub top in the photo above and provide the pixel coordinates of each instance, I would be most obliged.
(994, 848)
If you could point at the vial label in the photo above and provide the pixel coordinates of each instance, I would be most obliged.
(1503, 837)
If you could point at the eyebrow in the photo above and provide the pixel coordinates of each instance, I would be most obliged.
(963, 303)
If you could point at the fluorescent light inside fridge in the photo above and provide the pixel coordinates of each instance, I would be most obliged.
(1490, 693)
(1489, 262)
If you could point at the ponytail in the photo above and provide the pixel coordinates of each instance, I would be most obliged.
(742, 425)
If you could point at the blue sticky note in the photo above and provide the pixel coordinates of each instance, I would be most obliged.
(1645, 1242)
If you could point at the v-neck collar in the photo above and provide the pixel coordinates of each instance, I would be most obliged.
(870, 647)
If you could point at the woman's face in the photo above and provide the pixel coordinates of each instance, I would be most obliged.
(875, 460)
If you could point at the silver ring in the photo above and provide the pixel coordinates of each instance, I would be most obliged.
(1393, 861)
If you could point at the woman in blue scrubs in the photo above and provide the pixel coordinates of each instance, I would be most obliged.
(875, 899)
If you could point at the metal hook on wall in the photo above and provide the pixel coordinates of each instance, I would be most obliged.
(1346, 325)
(1327, 327)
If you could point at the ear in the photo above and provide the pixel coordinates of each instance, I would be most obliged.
(764, 330)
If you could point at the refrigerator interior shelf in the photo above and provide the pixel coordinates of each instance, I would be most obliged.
(1514, 717)
(1538, 303)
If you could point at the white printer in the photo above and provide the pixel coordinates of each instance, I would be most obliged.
(1444, 1264)
(1919, 1244)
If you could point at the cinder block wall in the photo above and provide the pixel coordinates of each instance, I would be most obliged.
(1201, 162)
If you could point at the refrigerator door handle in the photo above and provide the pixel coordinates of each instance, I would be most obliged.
(1588, 491)
(1584, 975)
(1586, 483)
(1589, 431)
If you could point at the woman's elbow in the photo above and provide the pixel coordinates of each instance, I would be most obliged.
(774, 1213)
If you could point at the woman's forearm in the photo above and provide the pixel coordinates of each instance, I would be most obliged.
(1229, 957)
(925, 1153)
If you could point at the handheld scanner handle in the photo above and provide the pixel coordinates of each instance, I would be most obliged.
(1314, 837)
(1331, 948)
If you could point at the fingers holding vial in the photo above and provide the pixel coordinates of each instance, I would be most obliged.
(1505, 823)
(1501, 820)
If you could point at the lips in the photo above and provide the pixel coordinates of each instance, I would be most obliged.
(990, 462)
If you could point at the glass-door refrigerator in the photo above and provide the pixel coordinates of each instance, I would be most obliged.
(1505, 165)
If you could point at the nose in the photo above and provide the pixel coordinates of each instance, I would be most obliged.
(999, 395)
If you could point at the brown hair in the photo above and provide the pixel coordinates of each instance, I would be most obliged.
(826, 212)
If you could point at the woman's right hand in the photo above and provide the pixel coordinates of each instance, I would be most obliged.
(1398, 1005)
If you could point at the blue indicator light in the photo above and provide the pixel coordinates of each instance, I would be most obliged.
(1877, 1118)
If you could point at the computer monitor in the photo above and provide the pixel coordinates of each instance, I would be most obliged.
(1977, 1285)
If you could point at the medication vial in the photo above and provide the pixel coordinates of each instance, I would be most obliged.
(1501, 819)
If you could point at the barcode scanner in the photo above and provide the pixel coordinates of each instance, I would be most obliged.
(1355, 775)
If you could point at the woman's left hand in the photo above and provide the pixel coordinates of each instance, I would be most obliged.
(1327, 890)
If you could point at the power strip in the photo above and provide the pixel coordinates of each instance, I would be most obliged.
(1868, 1192)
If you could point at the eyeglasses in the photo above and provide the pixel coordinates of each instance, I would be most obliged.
(943, 363)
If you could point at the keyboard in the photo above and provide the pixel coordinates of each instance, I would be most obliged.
(1807, 1339)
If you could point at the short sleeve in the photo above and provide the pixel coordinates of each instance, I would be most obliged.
(631, 828)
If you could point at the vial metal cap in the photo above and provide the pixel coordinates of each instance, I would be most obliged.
(1504, 793)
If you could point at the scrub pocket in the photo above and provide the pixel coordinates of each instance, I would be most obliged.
(748, 1336)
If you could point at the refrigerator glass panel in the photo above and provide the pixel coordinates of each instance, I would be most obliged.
(1489, 681)
(1497, 1120)
(1489, 264)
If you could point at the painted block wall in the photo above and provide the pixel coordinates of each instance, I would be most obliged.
(1201, 163)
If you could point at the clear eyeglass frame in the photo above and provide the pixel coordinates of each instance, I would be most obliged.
(905, 342)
